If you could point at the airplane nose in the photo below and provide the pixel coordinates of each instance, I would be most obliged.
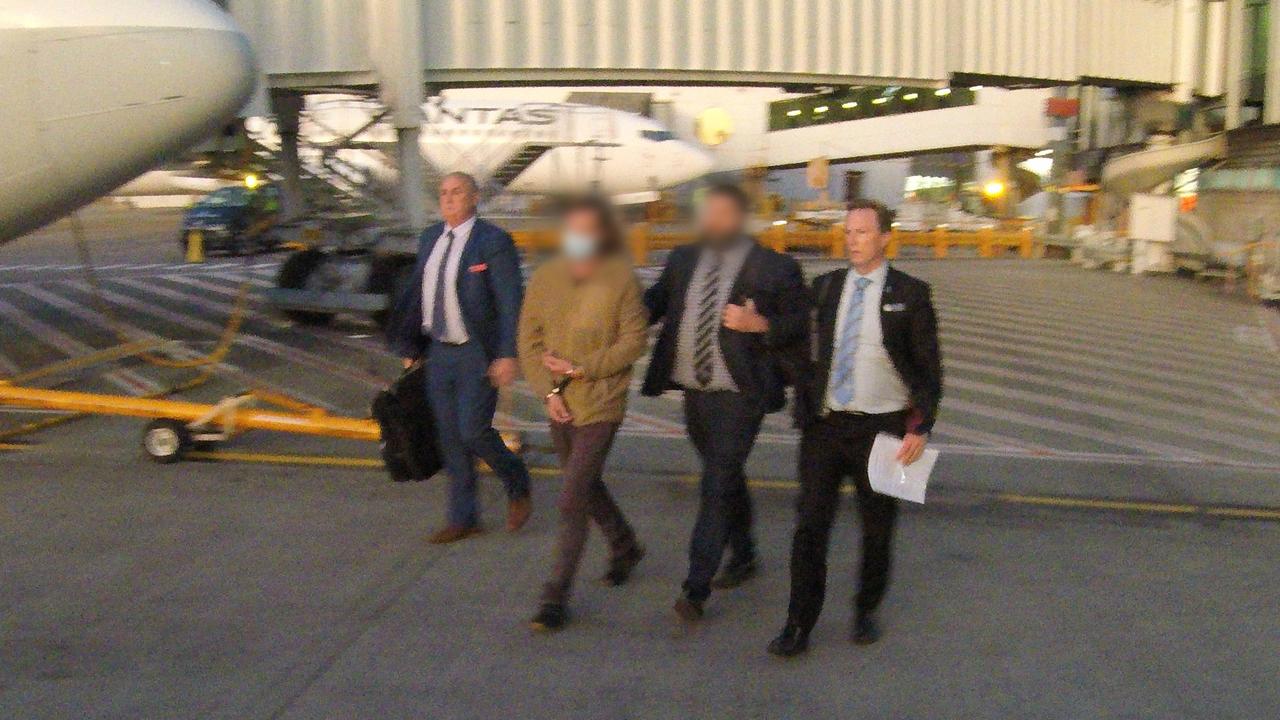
(111, 90)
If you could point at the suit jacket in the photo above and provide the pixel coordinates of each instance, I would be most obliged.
(910, 330)
(754, 360)
(489, 293)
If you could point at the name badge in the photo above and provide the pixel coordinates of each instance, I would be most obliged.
(895, 307)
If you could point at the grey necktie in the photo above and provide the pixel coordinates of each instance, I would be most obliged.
(439, 321)
(708, 327)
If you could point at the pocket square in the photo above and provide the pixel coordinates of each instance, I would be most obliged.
(478, 267)
(895, 307)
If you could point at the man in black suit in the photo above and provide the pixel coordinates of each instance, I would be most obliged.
(728, 306)
(874, 366)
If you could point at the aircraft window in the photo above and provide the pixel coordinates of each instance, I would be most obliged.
(657, 135)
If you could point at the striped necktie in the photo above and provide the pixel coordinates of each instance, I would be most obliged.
(708, 327)
(848, 347)
(439, 320)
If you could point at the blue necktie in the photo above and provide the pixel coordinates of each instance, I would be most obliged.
(439, 321)
(848, 346)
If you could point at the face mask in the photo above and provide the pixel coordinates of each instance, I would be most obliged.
(577, 246)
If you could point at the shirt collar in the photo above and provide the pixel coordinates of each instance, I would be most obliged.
(463, 229)
(876, 276)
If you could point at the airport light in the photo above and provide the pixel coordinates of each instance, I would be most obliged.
(975, 88)
(849, 105)
(942, 92)
(792, 113)
(911, 96)
(880, 101)
(821, 109)
(251, 181)
(993, 189)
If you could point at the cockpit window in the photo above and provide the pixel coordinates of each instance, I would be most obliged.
(657, 135)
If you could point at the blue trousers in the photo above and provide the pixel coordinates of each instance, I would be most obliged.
(463, 402)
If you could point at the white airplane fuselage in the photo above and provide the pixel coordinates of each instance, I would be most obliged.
(95, 92)
(566, 148)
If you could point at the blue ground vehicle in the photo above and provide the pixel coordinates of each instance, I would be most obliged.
(235, 220)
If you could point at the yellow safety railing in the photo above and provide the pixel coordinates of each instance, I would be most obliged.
(643, 241)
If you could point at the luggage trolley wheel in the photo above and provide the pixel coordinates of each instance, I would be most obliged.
(166, 440)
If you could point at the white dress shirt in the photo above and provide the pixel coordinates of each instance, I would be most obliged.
(456, 332)
(877, 387)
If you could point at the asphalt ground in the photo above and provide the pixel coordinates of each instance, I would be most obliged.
(1099, 541)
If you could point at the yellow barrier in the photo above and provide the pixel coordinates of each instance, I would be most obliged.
(303, 422)
(643, 241)
(195, 247)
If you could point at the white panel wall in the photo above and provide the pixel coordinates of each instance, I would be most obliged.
(305, 36)
(899, 39)
(657, 40)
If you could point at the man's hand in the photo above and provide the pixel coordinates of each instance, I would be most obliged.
(912, 448)
(407, 362)
(745, 318)
(556, 364)
(558, 411)
(502, 372)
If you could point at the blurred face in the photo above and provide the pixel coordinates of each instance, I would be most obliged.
(457, 200)
(580, 240)
(863, 241)
(721, 222)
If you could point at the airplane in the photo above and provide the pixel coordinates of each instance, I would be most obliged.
(526, 148)
(97, 92)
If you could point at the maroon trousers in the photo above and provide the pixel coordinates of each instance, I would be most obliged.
(584, 498)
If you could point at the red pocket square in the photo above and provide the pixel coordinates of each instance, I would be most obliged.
(479, 267)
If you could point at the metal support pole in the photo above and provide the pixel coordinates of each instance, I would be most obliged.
(413, 176)
(1187, 56)
(395, 41)
(1234, 79)
(1271, 100)
(287, 109)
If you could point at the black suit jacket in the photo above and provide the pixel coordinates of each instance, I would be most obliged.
(910, 329)
(754, 360)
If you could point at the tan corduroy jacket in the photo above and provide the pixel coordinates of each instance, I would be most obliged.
(600, 325)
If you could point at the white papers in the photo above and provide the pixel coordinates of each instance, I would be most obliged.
(890, 477)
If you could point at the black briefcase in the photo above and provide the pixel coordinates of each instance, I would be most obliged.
(408, 430)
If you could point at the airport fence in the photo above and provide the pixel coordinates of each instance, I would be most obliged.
(644, 240)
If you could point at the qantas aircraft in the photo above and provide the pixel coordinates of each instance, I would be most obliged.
(532, 148)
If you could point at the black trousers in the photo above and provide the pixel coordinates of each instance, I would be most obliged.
(831, 449)
(723, 426)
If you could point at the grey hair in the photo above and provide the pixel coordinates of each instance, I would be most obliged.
(467, 178)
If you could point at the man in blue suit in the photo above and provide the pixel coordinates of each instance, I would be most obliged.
(460, 313)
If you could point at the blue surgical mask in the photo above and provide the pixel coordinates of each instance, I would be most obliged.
(577, 246)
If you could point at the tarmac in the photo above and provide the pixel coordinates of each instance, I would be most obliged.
(1099, 541)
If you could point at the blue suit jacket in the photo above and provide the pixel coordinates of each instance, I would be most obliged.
(490, 289)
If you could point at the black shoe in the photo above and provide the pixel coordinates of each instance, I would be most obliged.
(865, 630)
(688, 609)
(620, 567)
(550, 617)
(735, 574)
(791, 642)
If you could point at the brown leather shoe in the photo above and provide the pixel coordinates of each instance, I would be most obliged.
(453, 533)
(518, 512)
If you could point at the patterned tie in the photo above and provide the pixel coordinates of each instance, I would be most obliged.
(708, 327)
(439, 320)
(849, 344)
